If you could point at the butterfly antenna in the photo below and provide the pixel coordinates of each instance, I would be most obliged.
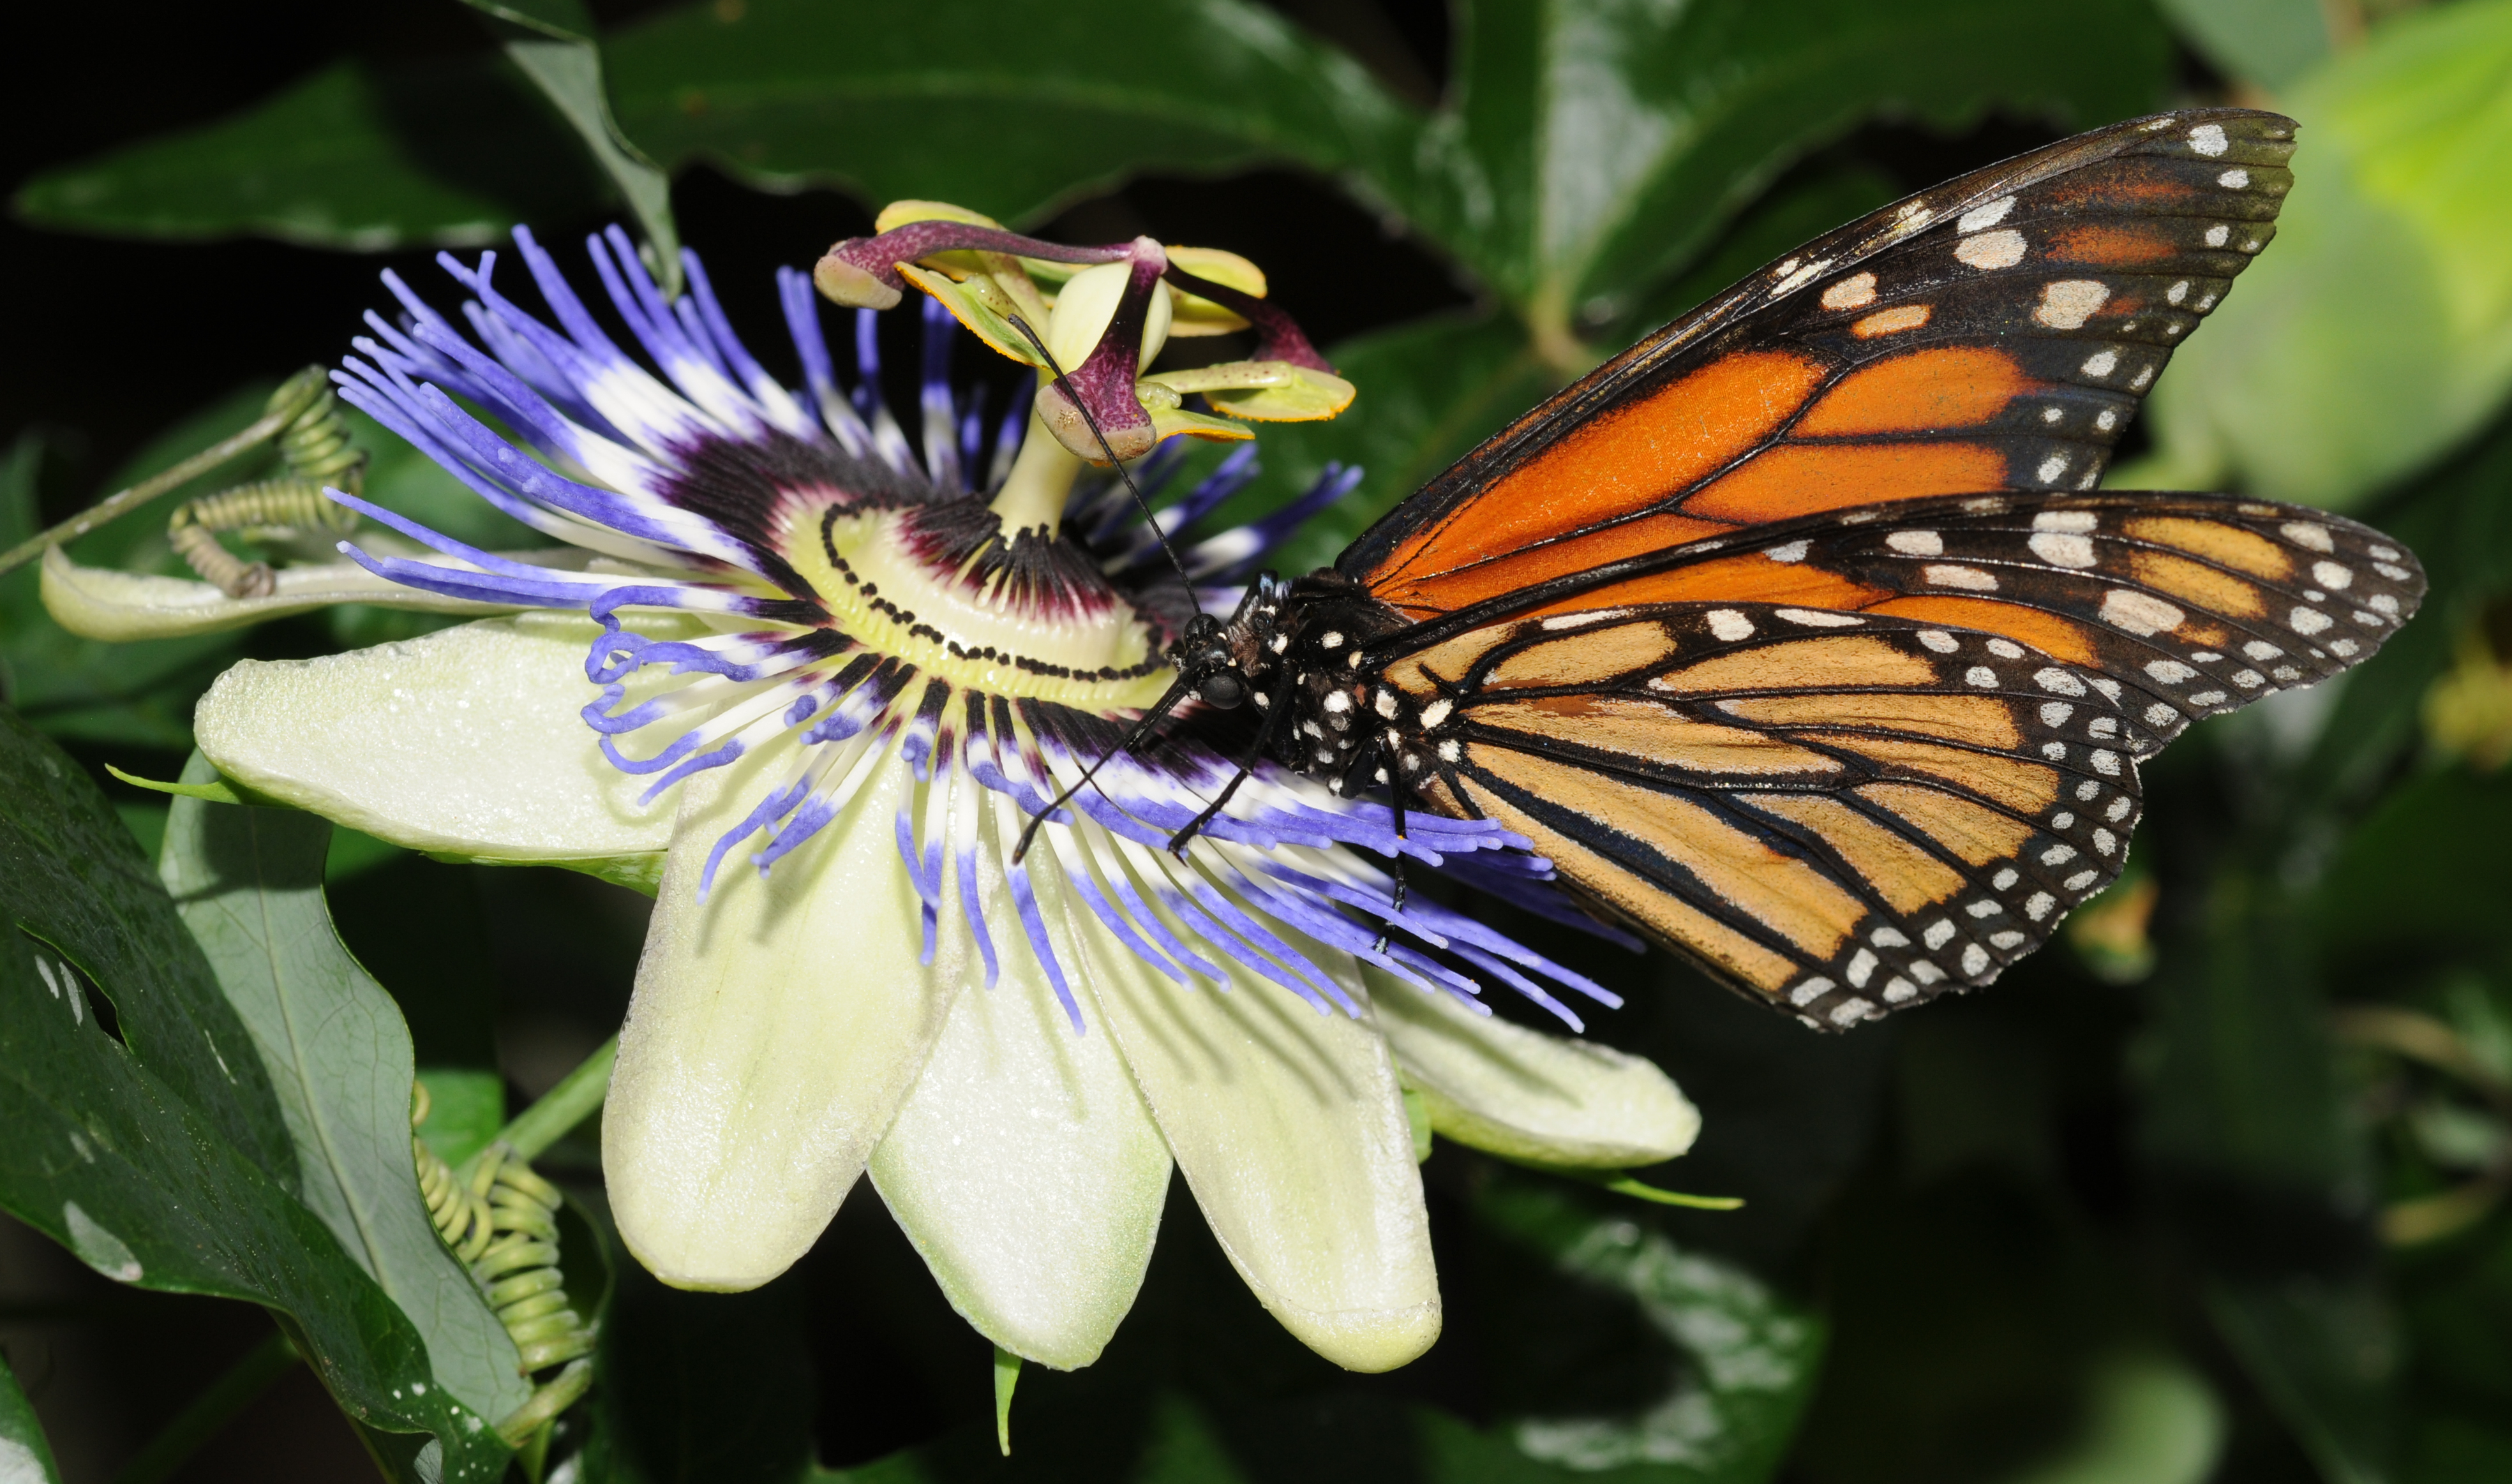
(1151, 719)
(1157, 534)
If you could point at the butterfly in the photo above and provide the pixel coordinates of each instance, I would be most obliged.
(1798, 636)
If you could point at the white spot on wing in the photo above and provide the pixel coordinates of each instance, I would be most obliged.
(1730, 625)
(2208, 139)
(2051, 468)
(1800, 278)
(2216, 238)
(2067, 303)
(1794, 551)
(1968, 578)
(2101, 363)
(2234, 180)
(1856, 292)
(1817, 618)
(1991, 250)
(1916, 543)
(1940, 641)
(2062, 550)
(1982, 217)
(2141, 613)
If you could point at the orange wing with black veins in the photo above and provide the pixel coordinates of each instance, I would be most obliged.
(1995, 333)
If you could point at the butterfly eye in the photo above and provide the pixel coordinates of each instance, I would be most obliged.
(1222, 689)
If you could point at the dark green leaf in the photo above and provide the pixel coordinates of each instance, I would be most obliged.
(466, 1108)
(551, 42)
(157, 1150)
(1750, 1355)
(249, 884)
(25, 1455)
(2326, 1354)
(1009, 109)
(2244, 1085)
(2458, 521)
(1592, 148)
(450, 152)
(2425, 873)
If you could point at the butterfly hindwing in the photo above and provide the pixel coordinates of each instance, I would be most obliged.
(1843, 815)
(1919, 720)
(1998, 332)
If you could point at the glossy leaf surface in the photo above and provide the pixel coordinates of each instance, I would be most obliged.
(249, 883)
(151, 1144)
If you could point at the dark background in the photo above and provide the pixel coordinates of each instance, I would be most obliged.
(1960, 1189)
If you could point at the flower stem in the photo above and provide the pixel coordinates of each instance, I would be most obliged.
(210, 1412)
(283, 407)
(577, 1097)
(1042, 480)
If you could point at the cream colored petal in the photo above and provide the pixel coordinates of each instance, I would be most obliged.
(468, 741)
(1024, 1166)
(1527, 1095)
(101, 603)
(1290, 1128)
(774, 1031)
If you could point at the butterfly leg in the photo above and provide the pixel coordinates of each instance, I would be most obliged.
(1395, 798)
(1274, 710)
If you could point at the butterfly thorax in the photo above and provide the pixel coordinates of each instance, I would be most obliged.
(1296, 648)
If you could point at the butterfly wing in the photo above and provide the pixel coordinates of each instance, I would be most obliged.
(1995, 333)
(1864, 757)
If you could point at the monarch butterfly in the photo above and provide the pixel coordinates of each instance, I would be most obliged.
(1798, 635)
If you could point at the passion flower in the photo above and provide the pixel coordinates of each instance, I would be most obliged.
(813, 678)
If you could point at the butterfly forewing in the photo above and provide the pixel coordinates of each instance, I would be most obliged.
(1995, 333)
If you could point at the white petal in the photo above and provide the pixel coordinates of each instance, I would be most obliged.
(1527, 1095)
(467, 741)
(774, 1031)
(101, 603)
(1290, 1128)
(1024, 1165)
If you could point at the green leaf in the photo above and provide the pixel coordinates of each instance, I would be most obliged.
(2244, 1079)
(1591, 147)
(161, 1154)
(2458, 524)
(2379, 333)
(2326, 1354)
(449, 152)
(1007, 109)
(2266, 42)
(1750, 1355)
(25, 1456)
(466, 1108)
(551, 42)
(249, 883)
(2425, 873)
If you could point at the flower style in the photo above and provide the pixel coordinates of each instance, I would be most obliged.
(811, 678)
